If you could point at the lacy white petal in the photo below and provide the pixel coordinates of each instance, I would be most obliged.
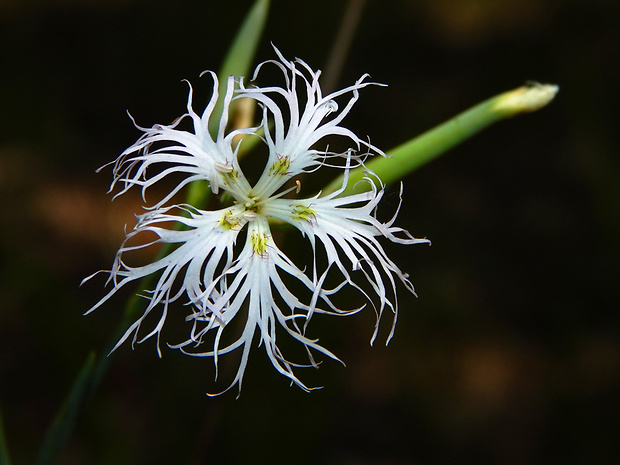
(346, 227)
(166, 150)
(290, 144)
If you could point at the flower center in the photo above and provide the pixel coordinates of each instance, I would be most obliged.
(252, 205)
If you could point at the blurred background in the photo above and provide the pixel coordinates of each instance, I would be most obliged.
(511, 353)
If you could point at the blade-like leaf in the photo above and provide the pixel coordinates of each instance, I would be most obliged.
(4, 448)
(62, 425)
(240, 56)
(237, 62)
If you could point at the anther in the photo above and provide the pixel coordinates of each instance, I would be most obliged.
(223, 167)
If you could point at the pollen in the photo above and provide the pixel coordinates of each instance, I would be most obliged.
(252, 205)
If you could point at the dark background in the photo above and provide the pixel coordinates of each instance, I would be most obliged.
(511, 353)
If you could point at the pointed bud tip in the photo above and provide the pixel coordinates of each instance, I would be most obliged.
(530, 97)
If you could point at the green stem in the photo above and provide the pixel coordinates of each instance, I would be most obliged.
(415, 153)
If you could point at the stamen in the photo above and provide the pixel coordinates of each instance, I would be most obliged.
(223, 167)
(295, 188)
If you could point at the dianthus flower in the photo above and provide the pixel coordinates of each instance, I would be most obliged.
(221, 281)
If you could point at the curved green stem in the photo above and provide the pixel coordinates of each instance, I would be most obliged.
(411, 155)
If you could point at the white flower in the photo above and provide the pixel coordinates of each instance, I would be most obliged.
(221, 281)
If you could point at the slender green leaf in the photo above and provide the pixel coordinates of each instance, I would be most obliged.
(240, 56)
(237, 62)
(4, 448)
(61, 428)
(413, 154)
